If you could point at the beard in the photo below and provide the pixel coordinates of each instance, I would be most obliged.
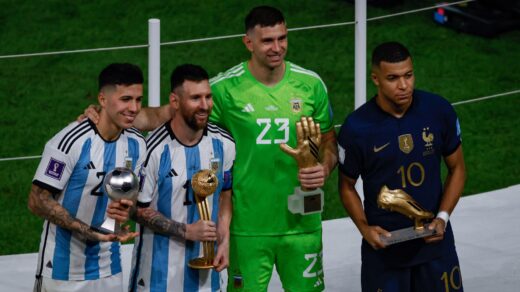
(193, 123)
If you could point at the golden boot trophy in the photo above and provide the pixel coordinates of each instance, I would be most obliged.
(306, 153)
(204, 183)
(401, 202)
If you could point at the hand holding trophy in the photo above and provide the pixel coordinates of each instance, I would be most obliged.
(401, 202)
(204, 183)
(120, 183)
(308, 135)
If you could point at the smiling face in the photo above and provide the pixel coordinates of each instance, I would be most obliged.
(193, 102)
(121, 104)
(267, 44)
(395, 84)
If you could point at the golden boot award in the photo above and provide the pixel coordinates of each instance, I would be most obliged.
(306, 153)
(204, 183)
(401, 202)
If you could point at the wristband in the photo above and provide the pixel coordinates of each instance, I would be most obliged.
(444, 216)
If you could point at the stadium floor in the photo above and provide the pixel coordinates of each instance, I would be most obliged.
(487, 234)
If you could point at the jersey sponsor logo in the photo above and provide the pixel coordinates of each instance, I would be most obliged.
(271, 108)
(172, 173)
(377, 149)
(248, 108)
(406, 143)
(296, 105)
(55, 169)
(90, 165)
(428, 140)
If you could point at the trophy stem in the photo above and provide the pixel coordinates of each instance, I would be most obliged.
(418, 224)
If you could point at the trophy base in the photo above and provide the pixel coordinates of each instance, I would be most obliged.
(201, 264)
(305, 202)
(109, 226)
(406, 234)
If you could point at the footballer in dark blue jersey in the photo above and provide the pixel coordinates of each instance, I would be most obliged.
(398, 139)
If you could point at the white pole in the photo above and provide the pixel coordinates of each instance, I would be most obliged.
(360, 90)
(154, 62)
(360, 55)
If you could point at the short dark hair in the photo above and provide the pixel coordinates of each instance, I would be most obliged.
(120, 74)
(187, 72)
(263, 16)
(391, 52)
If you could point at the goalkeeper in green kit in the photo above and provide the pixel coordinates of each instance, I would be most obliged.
(259, 101)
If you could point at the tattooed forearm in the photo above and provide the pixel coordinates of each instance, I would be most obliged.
(44, 205)
(154, 220)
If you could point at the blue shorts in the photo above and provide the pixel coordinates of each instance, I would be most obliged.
(437, 275)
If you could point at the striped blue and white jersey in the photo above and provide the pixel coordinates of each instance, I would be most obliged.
(160, 262)
(73, 166)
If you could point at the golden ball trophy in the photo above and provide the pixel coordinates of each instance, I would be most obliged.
(401, 202)
(306, 153)
(204, 183)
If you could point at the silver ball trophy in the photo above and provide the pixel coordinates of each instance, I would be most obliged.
(120, 183)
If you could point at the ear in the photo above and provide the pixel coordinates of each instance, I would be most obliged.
(374, 78)
(174, 100)
(102, 99)
(248, 42)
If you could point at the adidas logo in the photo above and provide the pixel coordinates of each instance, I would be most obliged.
(90, 165)
(171, 173)
(248, 108)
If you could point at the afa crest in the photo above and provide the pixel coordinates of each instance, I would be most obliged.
(296, 105)
(406, 143)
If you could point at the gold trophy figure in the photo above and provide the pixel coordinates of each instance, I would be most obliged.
(204, 183)
(307, 154)
(401, 202)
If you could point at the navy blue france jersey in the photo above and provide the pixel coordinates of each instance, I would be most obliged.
(401, 153)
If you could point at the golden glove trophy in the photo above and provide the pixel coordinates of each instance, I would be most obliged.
(401, 202)
(306, 153)
(204, 183)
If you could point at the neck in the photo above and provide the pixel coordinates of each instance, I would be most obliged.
(265, 75)
(394, 110)
(107, 130)
(184, 133)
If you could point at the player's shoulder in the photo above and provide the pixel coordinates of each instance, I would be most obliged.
(219, 132)
(229, 76)
(431, 100)
(304, 74)
(72, 135)
(135, 133)
(155, 139)
(363, 117)
(158, 136)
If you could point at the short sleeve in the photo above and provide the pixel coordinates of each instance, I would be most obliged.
(148, 173)
(451, 131)
(350, 156)
(229, 159)
(55, 167)
(323, 110)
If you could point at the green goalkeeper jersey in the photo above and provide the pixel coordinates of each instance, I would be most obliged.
(259, 119)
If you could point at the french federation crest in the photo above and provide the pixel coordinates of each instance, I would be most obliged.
(406, 143)
(296, 105)
(427, 137)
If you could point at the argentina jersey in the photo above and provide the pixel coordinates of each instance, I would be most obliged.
(160, 262)
(73, 166)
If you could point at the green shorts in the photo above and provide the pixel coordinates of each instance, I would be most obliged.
(298, 260)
